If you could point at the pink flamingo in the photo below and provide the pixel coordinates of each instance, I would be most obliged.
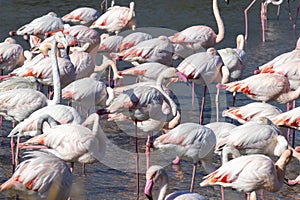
(133, 39)
(252, 111)
(116, 18)
(221, 129)
(40, 26)
(11, 55)
(296, 17)
(281, 59)
(42, 173)
(83, 15)
(198, 37)
(153, 50)
(204, 68)
(263, 15)
(254, 137)
(71, 142)
(290, 119)
(250, 173)
(192, 141)
(264, 87)
(156, 174)
(16, 82)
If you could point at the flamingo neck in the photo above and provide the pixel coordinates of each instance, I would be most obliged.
(289, 96)
(56, 75)
(219, 21)
(163, 186)
(131, 11)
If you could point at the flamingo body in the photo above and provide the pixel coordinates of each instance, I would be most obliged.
(84, 15)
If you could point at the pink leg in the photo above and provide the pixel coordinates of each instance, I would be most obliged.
(262, 18)
(137, 176)
(148, 144)
(12, 145)
(193, 177)
(296, 17)
(17, 151)
(202, 105)
(246, 18)
(222, 193)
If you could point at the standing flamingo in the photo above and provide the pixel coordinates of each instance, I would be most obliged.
(40, 26)
(204, 68)
(116, 18)
(153, 50)
(83, 15)
(251, 111)
(250, 173)
(264, 87)
(133, 39)
(71, 142)
(253, 137)
(198, 37)
(11, 55)
(156, 174)
(192, 141)
(42, 173)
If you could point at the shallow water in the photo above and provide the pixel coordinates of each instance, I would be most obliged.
(114, 177)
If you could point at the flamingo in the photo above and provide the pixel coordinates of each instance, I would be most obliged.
(71, 142)
(153, 50)
(116, 18)
(288, 119)
(40, 26)
(250, 173)
(263, 15)
(16, 82)
(251, 111)
(198, 37)
(254, 137)
(221, 129)
(281, 59)
(204, 68)
(41, 173)
(109, 44)
(264, 87)
(83, 64)
(157, 174)
(235, 59)
(11, 55)
(133, 39)
(192, 141)
(83, 15)
(145, 72)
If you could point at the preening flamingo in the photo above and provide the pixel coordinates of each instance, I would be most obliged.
(199, 37)
(116, 18)
(156, 174)
(254, 137)
(250, 173)
(83, 15)
(71, 142)
(192, 141)
(41, 173)
(251, 111)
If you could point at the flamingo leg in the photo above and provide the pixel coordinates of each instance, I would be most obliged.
(193, 94)
(217, 105)
(262, 18)
(202, 105)
(278, 12)
(83, 169)
(137, 162)
(148, 144)
(12, 145)
(17, 151)
(246, 18)
(193, 177)
(222, 193)
(296, 17)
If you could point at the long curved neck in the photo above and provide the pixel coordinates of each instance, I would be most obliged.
(163, 187)
(131, 10)
(55, 74)
(221, 30)
(105, 65)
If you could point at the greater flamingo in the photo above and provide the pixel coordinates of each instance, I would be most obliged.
(83, 15)
(71, 142)
(199, 37)
(157, 49)
(156, 174)
(133, 39)
(250, 173)
(192, 141)
(41, 173)
(251, 111)
(254, 137)
(116, 18)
